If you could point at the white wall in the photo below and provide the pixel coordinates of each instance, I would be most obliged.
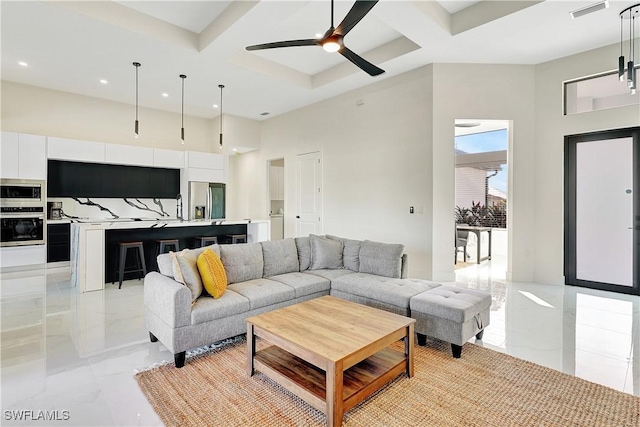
(34, 110)
(551, 126)
(501, 92)
(375, 164)
(397, 151)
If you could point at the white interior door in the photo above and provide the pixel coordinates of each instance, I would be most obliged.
(604, 211)
(309, 215)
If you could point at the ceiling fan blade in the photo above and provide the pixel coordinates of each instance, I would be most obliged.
(365, 65)
(288, 43)
(357, 12)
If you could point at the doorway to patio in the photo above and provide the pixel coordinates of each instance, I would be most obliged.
(481, 195)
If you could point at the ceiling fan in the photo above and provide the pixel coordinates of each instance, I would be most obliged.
(332, 40)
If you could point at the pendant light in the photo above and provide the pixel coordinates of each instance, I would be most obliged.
(221, 87)
(629, 14)
(137, 65)
(182, 76)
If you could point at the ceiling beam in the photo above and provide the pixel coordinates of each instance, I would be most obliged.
(229, 16)
(130, 19)
(486, 11)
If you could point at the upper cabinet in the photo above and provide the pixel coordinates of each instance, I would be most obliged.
(76, 150)
(128, 155)
(205, 167)
(168, 158)
(196, 159)
(23, 156)
(111, 181)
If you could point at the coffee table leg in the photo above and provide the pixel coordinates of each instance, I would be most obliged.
(334, 374)
(408, 350)
(251, 348)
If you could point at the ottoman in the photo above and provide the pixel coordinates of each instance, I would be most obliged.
(450, 314)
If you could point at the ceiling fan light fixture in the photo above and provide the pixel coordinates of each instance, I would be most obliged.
(331, 45)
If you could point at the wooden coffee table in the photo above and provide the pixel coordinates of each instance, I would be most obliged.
(330, 352)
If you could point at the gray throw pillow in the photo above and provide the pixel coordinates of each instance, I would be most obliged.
(165, 265)
(280, 257)
(350, 252)
(325, 253)
(304, 252)
(242, 262)
(185, 271)
(383, 259)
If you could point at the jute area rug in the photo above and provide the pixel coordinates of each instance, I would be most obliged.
(483, 388)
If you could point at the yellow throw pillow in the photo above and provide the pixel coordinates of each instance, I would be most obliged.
(214, 278)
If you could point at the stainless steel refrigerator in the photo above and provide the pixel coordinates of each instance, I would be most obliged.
(208, 199)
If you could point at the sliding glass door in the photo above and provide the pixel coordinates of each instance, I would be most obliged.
(602, 218)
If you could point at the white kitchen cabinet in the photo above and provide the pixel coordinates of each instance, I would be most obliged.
(32, 158)
(76, 150)
(258, 231)
(128, 155)
(205, 175)
(19, 256)
(168, 158)
(276, 182)
(23, 156)
(9, 146)
(196, 159)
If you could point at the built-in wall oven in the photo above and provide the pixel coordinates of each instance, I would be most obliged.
(22, 212)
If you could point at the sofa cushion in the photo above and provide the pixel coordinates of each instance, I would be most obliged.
(207, 308)
(165, 262)
(455, 304)
(350, 252)
(186, 272)
(303, 283)
(263, 292)
(325, 253)
(214, 278)
(330, 274)
(396, 292)
(382, 259)
(280, 257)
(304, 252)
(242, 262)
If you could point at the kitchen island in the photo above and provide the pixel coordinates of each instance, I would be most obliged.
(94, 243)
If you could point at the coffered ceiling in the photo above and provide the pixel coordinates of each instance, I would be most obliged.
(71, 46)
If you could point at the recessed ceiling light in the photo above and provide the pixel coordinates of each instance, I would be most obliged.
(215, 105)
(165, 95)
(235, 149)
(318, 35)
(103, 81)
(22, 63)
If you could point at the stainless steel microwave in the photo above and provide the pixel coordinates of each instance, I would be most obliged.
(17, 192)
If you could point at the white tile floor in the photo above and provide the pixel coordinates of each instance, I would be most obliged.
(75, 352)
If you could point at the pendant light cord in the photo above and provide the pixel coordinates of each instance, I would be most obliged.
(137, 91)
(221, 87)
(331, 13)
(621, 34)
(182, 77)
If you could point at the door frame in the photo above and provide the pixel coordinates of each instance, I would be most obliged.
(570, 169)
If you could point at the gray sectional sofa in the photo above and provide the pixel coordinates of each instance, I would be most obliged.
(269, 275)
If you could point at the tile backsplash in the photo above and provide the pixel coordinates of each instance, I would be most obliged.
(84, 207)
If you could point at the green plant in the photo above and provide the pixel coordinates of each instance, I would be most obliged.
(480, 215)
